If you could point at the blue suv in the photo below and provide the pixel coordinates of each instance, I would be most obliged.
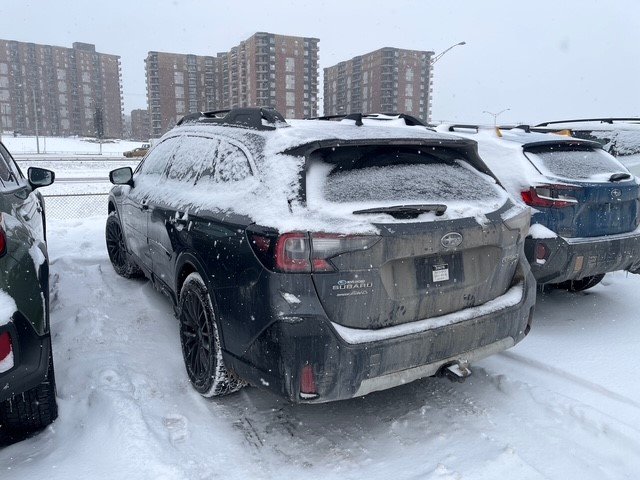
(584, 202)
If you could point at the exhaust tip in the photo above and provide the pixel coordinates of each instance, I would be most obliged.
(457, 371)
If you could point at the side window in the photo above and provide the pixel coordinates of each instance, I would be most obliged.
(8, 177)
(231, 165)
(193, 158)
(13, 166)
(156, 161)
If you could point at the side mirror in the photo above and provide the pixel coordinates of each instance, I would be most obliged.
(40, 177)
(121, 176)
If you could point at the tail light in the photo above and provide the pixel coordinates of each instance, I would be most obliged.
(6, 349)
(299, 252)
(550, 196)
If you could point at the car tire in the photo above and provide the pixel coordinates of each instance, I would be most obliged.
(117, 249)
(200, 341)
(32, 410)
(582, 284)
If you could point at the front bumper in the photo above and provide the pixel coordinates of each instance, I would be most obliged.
(347, 366)
(30, 358)
(575, 258)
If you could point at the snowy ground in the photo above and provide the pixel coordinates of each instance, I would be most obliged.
(565, 403)
(53, 146)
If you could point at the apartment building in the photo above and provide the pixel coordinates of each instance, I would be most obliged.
(264, 70)
(59, 91)
(275, 70)
(140, 125)
(178, 84)
(385, 80)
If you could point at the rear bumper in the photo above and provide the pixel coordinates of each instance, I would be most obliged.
(575, 258)
(350, 362)
(30, 358)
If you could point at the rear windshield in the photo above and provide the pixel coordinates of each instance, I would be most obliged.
(393, 177)
(575, 163)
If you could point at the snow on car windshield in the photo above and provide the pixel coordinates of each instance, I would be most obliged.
(412, 181)
(593, 165)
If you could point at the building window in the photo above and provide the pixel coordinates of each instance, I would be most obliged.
(290, 82)
(291, 99)
(179, 92)
(290, 64)
(178, 78)
(408, 75)
(408, 105)
(408, 90)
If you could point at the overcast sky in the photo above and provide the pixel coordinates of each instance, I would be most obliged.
(541, 59)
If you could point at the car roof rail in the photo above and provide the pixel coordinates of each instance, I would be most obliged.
(609, 120)
(256, 118)
(409, 120)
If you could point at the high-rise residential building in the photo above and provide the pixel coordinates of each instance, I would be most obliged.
(273, 70)
(178, 84)
(387, 80)
(140, 125)
(60, 91)
(265, 70)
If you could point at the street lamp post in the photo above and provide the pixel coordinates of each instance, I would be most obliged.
(35, 112)
(433, 60)
(495, 115)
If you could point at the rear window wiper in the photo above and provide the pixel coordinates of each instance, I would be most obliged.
(616, 177)
(406, 211)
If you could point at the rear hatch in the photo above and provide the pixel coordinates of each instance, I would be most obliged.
(590, 193)
(442, 244)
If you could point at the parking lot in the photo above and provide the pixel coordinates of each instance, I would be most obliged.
(562, 404)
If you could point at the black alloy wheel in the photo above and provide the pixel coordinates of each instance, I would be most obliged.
(201, 343)
(117, 249)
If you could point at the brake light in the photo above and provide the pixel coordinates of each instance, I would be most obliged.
(292, 253)
(550, 196)
(5, 346)
(299, 252)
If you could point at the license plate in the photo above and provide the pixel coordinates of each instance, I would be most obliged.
(440, 273)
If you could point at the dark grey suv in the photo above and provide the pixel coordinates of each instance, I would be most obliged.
(27, 385)
(323, 260)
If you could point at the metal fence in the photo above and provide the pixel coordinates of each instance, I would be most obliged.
(75, 205)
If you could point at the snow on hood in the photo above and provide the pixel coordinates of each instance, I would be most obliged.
(272, 200)
(7, 308)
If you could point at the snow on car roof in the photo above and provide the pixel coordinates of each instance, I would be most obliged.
(504, 156)
(272, 199)
(301, 132)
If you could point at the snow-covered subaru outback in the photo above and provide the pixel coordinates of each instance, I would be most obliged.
(27, 385)
(585, 203)
(323, 260)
